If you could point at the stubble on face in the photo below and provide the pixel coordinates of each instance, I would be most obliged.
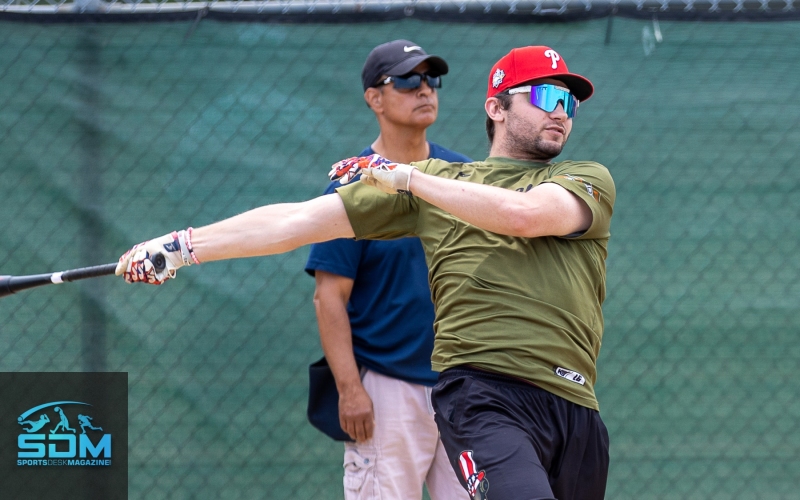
(535, 134)
(527, 138)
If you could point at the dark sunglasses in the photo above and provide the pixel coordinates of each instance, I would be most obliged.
(413, 81)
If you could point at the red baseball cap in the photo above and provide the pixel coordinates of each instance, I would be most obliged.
(524, 64)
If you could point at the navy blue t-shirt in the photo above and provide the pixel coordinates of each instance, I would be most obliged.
(390, 308)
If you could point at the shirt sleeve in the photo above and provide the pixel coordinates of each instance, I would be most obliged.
(593, 184)
(376, 215)
(440, 153)
(340, 256)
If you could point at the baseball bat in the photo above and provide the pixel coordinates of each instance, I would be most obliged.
(13, 284)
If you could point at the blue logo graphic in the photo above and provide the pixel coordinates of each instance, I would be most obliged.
(61, 445)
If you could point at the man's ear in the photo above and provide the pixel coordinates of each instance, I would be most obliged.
(493, 109)
(374, 99)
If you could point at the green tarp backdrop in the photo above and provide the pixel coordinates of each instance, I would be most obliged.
(113, 133)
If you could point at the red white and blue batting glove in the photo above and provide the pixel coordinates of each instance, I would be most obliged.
(136, 265)
(376, 171)
(346, 170)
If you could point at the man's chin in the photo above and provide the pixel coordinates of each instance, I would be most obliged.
(424, 120)
(550, 148)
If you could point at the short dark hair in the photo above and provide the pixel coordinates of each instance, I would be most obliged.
(504, 99)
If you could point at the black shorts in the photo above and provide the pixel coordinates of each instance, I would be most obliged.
(507, 439)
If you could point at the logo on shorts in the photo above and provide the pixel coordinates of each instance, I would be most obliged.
(477, 484)
(570, 375)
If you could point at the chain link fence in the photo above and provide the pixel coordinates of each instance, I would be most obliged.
(348, 11)
(113, 133)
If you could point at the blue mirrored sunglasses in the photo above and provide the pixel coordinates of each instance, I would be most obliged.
(413, 81)
(546, 97)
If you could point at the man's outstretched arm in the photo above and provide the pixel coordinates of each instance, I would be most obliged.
(273, 229)
(546, 210)
(266, 230)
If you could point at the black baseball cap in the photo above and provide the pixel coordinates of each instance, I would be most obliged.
(398, 58)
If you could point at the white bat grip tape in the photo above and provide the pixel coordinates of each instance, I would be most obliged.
(56, 278)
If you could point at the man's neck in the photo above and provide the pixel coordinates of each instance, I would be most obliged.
(497, 151)
(402, 145)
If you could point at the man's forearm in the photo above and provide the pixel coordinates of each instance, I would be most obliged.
(336, 335)
(273, 229)
(330, 301)
(548, 209)
(337, 344)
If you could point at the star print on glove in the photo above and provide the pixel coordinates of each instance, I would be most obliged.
(346, 170)
(142, 270)
(378, 172)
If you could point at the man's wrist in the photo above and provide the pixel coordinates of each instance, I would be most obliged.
(411, 174)
(184, 239)
(402, 179)
(349, 386)
(416, 179)
(346, 372)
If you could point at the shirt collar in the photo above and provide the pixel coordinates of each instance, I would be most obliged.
(511, 162)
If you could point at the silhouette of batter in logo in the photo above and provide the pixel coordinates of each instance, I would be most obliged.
(84, 420)
(35, 424)
(63, 424)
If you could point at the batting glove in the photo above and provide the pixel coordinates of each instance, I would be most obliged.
(346, 170)
(376, 171)
(136, 265)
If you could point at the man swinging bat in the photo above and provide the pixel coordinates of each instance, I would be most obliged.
(516, 247)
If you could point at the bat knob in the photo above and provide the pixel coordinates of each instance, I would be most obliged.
(5, 286)
(159, 262)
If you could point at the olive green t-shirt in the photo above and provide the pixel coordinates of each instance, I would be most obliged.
(525, 307)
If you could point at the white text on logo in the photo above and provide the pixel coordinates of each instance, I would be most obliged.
(570, 375)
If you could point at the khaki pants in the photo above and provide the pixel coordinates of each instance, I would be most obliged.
(405, 451)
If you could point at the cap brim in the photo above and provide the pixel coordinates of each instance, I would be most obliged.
(437, 65)
(580, 87)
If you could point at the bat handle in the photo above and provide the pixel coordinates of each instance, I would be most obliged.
(13, 284)
(83, 273)
(158, 260)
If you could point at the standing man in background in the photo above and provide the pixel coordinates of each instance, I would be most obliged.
(374, 306)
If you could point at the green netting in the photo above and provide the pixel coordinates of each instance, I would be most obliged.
(110, 134)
